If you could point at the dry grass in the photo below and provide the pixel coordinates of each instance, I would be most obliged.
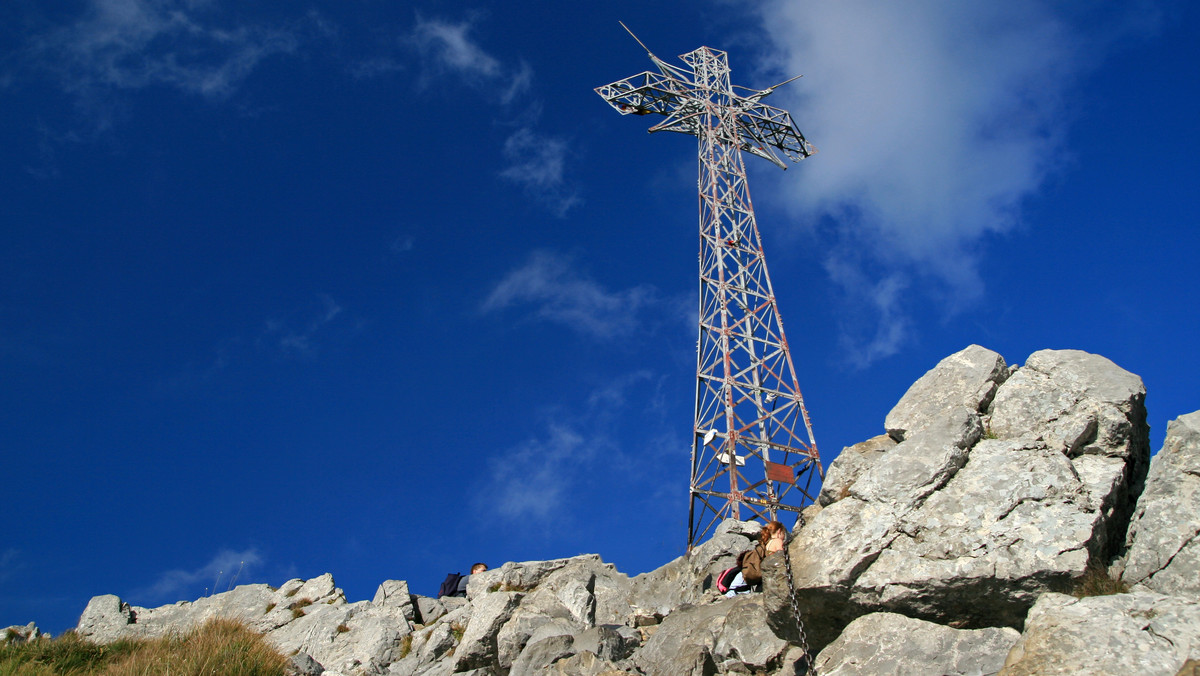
(217, 647)
(298, 607)
(1097, 582)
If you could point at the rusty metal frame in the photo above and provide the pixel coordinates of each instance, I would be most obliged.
(752, 431)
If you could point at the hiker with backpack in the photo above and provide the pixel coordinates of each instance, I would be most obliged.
(731, 582)
(746, 576)
(770, 540)
(455, 584)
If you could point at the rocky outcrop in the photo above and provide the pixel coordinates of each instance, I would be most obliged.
(1164, 538)
(571, 616)
(938, 547)
(1140, 633)
(1005, 484)
(887, 644)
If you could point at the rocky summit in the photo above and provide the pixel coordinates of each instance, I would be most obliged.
(1009, 520)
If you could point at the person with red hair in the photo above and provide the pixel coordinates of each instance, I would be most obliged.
(770, 540)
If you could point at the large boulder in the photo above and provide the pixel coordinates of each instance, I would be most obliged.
(1164, 536)
(1138, 634)
(887, 644)
(985, 504)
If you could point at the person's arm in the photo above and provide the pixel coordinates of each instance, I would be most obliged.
(462, 585)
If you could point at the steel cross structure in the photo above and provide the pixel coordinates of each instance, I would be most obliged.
(753, 451)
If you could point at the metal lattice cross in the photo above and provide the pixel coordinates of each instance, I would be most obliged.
(752, 449)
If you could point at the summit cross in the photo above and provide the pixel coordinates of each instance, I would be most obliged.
(753, 451)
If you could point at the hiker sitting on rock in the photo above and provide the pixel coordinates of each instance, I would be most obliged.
(770, 540)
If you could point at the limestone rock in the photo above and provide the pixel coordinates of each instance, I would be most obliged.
(728, 631)
(968, 379)
(849, 465)
(1074, 401)
(887, 644)
(105, 619)
(1164, 536)
(960, 524)
(478, 649)
(17, 634)
(1138, 634)
(395, 594)
(541, 654)
(585, 663)
(688, 578)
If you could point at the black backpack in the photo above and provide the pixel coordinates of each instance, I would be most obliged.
(449, 585)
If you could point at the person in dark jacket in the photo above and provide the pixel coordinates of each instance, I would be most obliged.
(770, 540)
(462, 581)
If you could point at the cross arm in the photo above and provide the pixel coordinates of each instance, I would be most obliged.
(644, 93)
(764, 128)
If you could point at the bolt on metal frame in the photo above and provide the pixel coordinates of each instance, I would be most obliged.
(753, 451)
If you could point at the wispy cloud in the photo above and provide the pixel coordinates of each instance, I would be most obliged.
(557, 291)
(536, 164)
(935, 120)
(130, 44)
(447, 48)
(536, 160)
(301, 342)
(222, 572)
(548, 478)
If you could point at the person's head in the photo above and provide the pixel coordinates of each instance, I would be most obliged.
(478, 568)
(771, 530)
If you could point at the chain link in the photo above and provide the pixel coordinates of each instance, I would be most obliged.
(810, 668)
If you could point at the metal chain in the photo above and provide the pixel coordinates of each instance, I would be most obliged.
(809, 661)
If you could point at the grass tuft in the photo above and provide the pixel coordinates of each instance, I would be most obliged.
(1096, 581)
(405, 646)
(298, 607)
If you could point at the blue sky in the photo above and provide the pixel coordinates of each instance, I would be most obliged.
(382, 291)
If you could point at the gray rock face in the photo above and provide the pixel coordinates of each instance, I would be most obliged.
(966, 379)
(18, 634)
(886, 644)
(962, 522)
(1139, 634)
(689, 577)
(850, 465)
(478, 649)
(730, 632)
(1164, 536)
(394, 594)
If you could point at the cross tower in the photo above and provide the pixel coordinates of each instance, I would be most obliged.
(753, 452)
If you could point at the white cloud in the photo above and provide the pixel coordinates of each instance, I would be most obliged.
(935, 120)
(536, 163)
(130, 44)
(222, 572)
(560, 293)
(448, 48)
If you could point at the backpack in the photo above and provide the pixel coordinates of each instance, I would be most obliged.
(449, 585)
(726, 578)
